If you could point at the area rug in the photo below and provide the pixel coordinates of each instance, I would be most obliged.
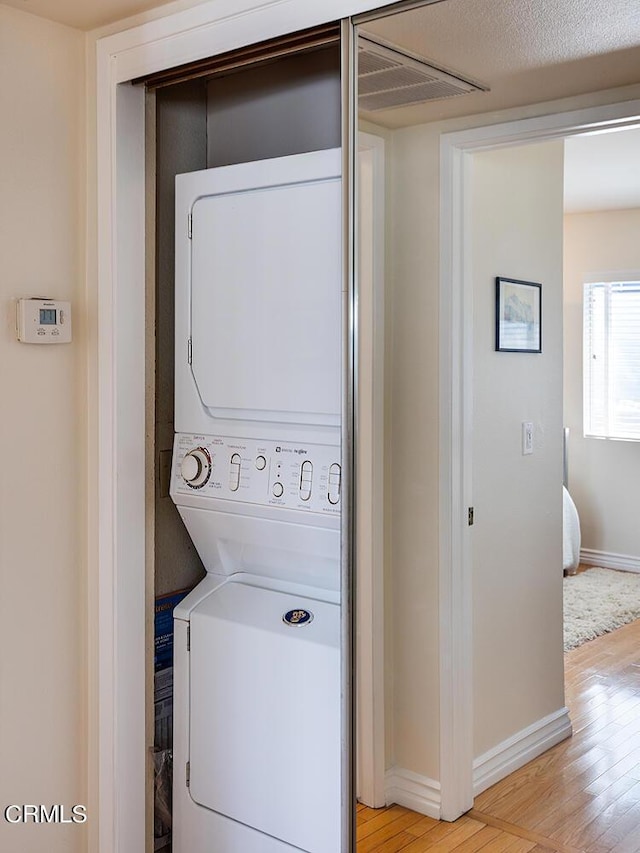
(598, 601)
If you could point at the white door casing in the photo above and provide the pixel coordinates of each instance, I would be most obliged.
(116, 596)
(370, 450)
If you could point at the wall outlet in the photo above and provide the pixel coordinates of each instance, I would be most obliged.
(527, 438)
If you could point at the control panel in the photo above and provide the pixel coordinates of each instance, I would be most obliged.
(43, 321)
(295, 476)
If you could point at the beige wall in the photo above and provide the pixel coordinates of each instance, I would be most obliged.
(603, 474)
(388, 414)
(412, 425)
(517, 537)
(42, 522)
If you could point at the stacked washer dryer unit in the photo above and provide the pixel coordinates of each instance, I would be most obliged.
(256, 477)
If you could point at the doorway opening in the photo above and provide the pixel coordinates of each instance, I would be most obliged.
(595, 802)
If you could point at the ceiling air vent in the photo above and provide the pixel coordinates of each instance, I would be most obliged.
(390, 77)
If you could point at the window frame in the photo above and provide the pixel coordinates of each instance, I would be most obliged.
(609, 427)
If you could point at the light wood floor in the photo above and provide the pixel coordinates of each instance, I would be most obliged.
(582, 796)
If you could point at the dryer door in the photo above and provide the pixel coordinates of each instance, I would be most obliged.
(266, 289)
(265, 714)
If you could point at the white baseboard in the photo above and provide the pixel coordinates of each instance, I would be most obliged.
(517, 750)
(609, 560)
(412, 791)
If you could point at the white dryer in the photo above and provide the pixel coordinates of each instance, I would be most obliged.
(256, 478)
(258, 299)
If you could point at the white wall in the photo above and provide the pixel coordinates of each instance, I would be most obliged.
(42, 489)
(603, 474)
(517, 537)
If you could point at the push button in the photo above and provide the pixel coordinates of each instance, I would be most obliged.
(335, 478)
(234, 472)
(306, 479)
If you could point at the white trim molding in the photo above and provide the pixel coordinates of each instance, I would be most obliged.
(370, 722)
(218, 26)
(455, 404)
(116, 774)
(413, 791)
(516, 751)
(118, 487)
(609, 560)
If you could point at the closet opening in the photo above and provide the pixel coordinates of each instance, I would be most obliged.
(272, 100)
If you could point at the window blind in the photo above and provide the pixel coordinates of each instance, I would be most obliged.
(612, 359)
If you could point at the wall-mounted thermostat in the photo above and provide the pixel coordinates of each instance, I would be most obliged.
(43, 321)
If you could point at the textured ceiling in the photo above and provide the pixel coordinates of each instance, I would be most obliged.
(526, 51)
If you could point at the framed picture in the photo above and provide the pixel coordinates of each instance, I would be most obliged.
(518, 315)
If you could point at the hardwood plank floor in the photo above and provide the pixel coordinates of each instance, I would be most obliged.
(582, 796)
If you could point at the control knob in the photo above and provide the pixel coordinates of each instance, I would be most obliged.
(196, 467)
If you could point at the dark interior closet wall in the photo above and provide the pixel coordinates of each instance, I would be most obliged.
(181, 146)
(288, 106)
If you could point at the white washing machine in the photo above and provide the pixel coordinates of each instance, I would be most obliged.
(256, 478)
